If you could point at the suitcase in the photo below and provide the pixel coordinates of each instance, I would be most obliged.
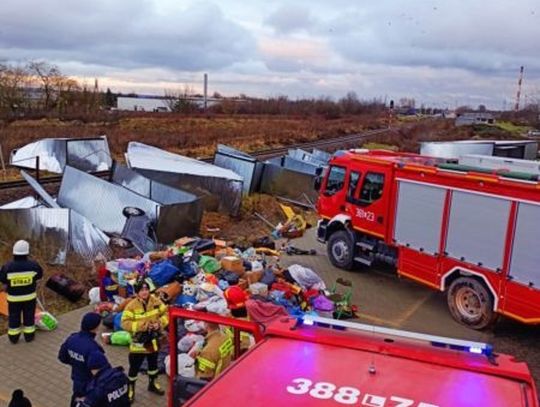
(65, 286)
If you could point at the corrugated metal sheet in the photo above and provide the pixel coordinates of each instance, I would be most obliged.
(90, 154)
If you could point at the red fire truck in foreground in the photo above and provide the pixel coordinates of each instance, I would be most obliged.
(470, 232)
(323, 362)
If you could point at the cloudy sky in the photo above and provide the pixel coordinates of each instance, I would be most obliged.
(442, 53)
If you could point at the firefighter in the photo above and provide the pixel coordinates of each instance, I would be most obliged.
(20, 277)
(108, 387)
(76, 351)
(144, 317)
(216, 353)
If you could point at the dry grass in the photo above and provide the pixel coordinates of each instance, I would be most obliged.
(194, 136)
(53, 302)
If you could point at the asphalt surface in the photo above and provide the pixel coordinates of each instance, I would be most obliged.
(384, 299)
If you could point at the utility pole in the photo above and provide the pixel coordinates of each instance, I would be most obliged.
(205, 91)
(516, 108)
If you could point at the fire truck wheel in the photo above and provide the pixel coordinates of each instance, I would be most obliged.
(470, 303)
(340, 250)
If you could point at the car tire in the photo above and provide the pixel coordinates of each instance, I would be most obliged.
(132, 211)
(471, 303)
(120, 242)
(340, 249)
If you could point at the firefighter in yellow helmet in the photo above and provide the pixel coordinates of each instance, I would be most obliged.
(216, 353)
(20, 276)
(144, 317)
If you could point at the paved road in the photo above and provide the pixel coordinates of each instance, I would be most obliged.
(386, 300)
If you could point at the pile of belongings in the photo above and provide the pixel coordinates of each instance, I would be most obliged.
(293, 227)
(209, 275)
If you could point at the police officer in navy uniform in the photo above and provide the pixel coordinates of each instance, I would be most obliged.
(76, 351)
(109, 385)
(20, 277)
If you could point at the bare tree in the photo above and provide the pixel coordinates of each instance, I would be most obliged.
(14, 81)
(48, 76)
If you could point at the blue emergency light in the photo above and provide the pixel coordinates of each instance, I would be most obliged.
(478, 348)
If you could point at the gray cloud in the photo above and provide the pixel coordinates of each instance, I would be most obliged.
(290, 18)
(124, 34)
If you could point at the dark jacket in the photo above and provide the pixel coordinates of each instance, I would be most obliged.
(20, 276)
(109, 388)
(75, 352)
(18, 400)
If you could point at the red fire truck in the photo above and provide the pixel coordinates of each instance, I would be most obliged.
(323, 362)
(469, 232)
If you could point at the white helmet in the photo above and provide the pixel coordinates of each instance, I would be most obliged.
(21, 248)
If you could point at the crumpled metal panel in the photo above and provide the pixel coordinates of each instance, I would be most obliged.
(24, 203)
(87, 240)
(89, 154)
(47, 198)
(216, 194)
(241, 163)
(145, 157)
(180, 213)
(46, 229)
(321, 155)
(100, 201)
(302, 155)
(288, 183)
(218, 188)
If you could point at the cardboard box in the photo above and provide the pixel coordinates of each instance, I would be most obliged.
(234, 264)
(253, 277)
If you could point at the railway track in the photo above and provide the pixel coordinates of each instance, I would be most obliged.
(334, 142)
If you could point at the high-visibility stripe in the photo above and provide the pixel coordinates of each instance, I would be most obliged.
(134, 326)
(111, 287)
(29, 329)
(14, 331)
(164, 320)
(132, 379)
(12, 275)
(21, 298)
(226, 348)
(205, 364)
(153, 372)
(148, 314)
(127, 314)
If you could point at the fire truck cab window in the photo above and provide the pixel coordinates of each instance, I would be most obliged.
(372, 188)
(353, 184)
(336, 180)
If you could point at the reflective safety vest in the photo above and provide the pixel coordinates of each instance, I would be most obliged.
(136, 317)
(215, 355)
(20, 276)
